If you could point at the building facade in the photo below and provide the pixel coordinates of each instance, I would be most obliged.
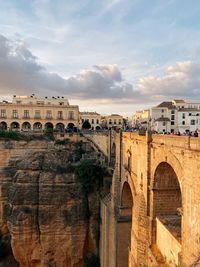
(141, 118)
(37, 114)
(114, 121)
(175, 116)
(93, 118)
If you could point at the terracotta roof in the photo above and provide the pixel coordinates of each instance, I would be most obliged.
(162, 119)
(166, 104)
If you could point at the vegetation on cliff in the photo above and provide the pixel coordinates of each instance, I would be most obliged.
(90, 175)
(10, 135)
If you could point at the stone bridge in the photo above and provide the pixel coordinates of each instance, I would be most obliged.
(152, 215)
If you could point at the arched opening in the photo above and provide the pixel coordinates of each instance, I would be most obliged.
(124, 226)
(48, 125)
(37, 126)
(167, 209)
(113, 155)
(26, 125)
(98, 128)
(126, 201)
(14, 126)
(86, 125)
(70, 126)
(3, 126)
(60, 127)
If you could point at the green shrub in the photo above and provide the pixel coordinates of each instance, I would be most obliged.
(10, 135)
(90, 175)
(62, 142)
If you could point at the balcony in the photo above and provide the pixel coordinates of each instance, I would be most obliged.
(60, 118)
(3, 116)
(49, 118)
(26, 117)
(15, 117)
(37, 117)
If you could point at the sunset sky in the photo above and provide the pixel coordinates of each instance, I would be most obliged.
(109, 56)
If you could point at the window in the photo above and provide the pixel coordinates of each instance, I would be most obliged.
(15, 114)
(92, 121)
(49, 114)
(18, 102)
(71, 115)
(183, 115)
(97, 121)
(129, 163)
(192, 122)
(60, 115)
(172, 117)
(26, 113)
(3, 113)
(172, 111)
(110, 121)
(115, 121)
(183, 122)
(172, 122)
(164, 123)
(190, 114)
(37, 114)
(82, 120)
(162, 110)
(40, 102)
(119, 121)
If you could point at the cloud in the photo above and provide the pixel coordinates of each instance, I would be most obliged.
(180, 80)
(20, 73)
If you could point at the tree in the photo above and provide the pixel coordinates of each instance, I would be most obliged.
(90, 175)
(86, 125)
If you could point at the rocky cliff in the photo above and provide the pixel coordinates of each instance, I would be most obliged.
(42, 207)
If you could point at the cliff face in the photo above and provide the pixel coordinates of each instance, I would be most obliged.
(44, 211)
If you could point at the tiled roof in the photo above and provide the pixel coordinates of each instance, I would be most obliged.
(166, 104)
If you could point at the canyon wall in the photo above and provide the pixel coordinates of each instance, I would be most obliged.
(43, 212)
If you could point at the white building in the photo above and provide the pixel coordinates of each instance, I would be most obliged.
(188, 119)
(175, 116)
(163, 118)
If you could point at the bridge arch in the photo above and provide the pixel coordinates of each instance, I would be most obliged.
(166, 210)
(172, 160)
(124, 225)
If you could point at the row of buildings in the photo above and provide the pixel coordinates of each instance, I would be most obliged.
(170, 117)
(33, 113)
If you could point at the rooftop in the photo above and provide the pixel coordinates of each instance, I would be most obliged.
(166, 104)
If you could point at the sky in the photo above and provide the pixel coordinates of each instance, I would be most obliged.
(109, 56)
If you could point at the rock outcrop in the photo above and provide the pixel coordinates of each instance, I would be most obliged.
(43, 209)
